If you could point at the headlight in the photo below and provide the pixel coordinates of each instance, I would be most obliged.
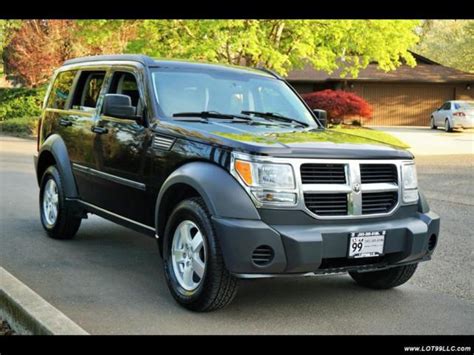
(269, 183)
(409, 183)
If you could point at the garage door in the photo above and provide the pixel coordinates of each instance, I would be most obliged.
(403, 104)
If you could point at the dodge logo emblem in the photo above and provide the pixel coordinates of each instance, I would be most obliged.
(356, 187)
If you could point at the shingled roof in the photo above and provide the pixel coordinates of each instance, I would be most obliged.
(426, 71)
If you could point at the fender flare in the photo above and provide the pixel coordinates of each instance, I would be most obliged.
(223, 195)
(55, 145)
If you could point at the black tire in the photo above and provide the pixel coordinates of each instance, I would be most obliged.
(66, 224)
(384, 279)
(447, 126)
(217, 287)
(433, 126)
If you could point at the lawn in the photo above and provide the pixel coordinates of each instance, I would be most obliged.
(372, 134)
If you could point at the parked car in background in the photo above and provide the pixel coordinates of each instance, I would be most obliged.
(454, 114)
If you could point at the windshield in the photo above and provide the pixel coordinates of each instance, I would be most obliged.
(184, 90)
(464, 105)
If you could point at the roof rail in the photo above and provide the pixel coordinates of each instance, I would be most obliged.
(143, 59)
(269, 72)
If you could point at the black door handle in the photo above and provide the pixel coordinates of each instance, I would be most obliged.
(65, 123)
(99, 130)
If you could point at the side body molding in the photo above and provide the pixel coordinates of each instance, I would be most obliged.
(222, 194)
(55, 145)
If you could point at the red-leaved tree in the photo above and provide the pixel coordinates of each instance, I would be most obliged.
(339, 104)
(37, 48)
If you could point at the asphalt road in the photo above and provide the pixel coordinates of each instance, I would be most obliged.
(109, 279)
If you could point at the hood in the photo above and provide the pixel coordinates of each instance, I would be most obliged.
(283, 140)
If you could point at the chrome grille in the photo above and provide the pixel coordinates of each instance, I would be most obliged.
(323, 174)
(326, 204)
(350, 188)
(378, 202)
(377, 173)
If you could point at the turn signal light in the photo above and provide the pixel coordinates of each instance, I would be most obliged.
(245, 171)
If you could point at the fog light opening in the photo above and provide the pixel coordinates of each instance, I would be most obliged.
(263, 255)
(432, 242)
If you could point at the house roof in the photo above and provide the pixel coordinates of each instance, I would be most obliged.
(426, 70)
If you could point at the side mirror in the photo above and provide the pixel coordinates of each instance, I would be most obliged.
(119, 106)
(322, 116)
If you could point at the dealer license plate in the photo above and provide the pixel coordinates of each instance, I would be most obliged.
(366, 244)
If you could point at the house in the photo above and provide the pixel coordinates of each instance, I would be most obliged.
(403, 97)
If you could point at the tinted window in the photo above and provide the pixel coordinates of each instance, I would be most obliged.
(61, 90)
(447, 106)
(125, 83)
(88, 90)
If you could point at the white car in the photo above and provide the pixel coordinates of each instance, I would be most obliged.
(454, 114)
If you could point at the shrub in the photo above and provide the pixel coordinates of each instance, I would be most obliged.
(20, 102)
(339, 104)
(21, 126)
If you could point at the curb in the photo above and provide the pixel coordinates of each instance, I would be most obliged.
(30, 314)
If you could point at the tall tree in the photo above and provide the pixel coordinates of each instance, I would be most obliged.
(38, 47)
(449, 42)
(282, 45)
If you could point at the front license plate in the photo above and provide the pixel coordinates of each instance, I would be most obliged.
(366, 244)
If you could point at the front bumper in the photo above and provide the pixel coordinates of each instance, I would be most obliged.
(315, 248)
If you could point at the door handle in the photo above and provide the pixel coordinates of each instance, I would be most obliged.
(99, 130)
(65, 123)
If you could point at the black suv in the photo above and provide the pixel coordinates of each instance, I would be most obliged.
(231, 172)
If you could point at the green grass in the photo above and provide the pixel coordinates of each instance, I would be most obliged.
(372, 134)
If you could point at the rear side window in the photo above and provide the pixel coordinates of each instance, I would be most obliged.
(88, 90)
(61, 90)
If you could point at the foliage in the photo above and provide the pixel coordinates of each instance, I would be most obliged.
(20, 102)
(38, 47)
(19, 126)
(449, 42)
(338, 104)
(282, 45)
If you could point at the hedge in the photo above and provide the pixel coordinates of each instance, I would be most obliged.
(20, 102)
(19, 126)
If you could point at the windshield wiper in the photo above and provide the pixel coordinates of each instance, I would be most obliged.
(212, 114)
(274, 116)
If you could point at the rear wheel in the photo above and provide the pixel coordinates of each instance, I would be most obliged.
(193, 263)
(447, 126)
(57, 217)
(433, 126)
(384, 279)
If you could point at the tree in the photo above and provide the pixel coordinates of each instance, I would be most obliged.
(449, 42)
(38, 47)
(339, 104)
(282, 45)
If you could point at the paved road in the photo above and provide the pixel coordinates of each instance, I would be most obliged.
(109, 279)
(425, 141)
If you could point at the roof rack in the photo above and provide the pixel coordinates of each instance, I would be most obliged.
(143, 59)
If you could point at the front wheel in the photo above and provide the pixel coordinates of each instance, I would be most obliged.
(57, 218)
(193, 262)
(384, 279)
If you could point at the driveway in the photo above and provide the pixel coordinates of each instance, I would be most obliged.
(425, 141)
(109, 279)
